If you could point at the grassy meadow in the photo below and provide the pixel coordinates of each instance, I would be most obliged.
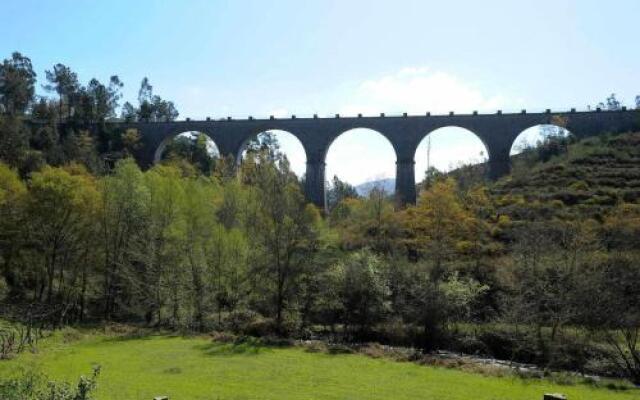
(190, 368)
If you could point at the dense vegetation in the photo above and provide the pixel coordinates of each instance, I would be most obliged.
(540, 267)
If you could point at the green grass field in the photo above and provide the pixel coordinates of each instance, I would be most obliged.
(197, 368)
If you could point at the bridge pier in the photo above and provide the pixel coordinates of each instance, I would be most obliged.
(314, 184)
(405, 182)
(499, 165)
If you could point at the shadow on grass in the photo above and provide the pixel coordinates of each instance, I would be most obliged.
(248, 347)
(145, 335)
(127, 338)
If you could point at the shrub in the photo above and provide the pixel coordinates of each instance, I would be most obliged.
(276, 341)
(33, 386)
(510, 346)
(579, 185)
(240, 321)
(70, 335)
(339, 349)
(224, 337)
(373, 350)
(471, 345)
(315, 346)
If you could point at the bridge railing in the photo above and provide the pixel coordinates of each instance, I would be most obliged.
(402, 114)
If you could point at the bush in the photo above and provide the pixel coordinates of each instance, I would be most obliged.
(315, 346)
(510, 346)
(70, 335)
(339, 349)
(276, 341)
(579, 186)
(224, 337)
(471, 345)
(373, 350)
(33, 386)
(395, 331)
(240, 321)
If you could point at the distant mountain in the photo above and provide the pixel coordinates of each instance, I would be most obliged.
(388, 185)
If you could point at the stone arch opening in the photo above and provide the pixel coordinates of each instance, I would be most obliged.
(450, 148)
(189, 145)
(532, 137)
(536, 144)
(364, 158)
(281, 143)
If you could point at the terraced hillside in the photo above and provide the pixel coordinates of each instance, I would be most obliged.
(588, 178)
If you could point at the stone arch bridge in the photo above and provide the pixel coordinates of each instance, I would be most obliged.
(497, 131)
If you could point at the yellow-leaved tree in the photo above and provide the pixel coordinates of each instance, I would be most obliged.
(439, 224)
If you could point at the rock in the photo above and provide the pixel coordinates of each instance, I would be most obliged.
(554, 396)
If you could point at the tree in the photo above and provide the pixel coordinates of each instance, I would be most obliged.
(235, 200)
(610, 308)
(104, 98)
(368, 222)
(62, 205)
(266, 142)
(363, 290)
(227, 254)
(12, 195)
(285, 231)
(151, 107)
(17, 84)
(611, 104)
(145, 100)
(164, 110)
(123, 219)
(460, 293)
(638, 102)
(194, 149)
(339, 191)
(64, 82)
(80, 147)
(129, 113)
(438, 223)
(423, 303)
(158, 246)
(130, 139)
(432, 174)
(14, 141)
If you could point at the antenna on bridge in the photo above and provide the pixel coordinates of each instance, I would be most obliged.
(428, 153)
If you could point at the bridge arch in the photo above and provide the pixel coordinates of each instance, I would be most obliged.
(349, 145)
(538, 143)
(534, 135)
(173, 138)
(286, 141)
(447, 148)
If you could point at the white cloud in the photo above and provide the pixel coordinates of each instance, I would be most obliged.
(416, 90)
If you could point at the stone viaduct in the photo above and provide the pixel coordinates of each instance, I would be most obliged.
(497, 131)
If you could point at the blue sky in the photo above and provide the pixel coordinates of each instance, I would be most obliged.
(240, 58)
